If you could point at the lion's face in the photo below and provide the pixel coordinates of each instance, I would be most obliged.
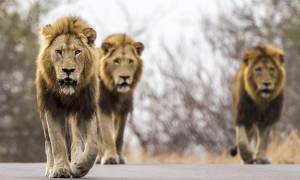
(122, 65)
(72, 62)
(264, 72)
(67, 57)
(265, 77)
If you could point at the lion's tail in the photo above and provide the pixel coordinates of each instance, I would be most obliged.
(233, 151)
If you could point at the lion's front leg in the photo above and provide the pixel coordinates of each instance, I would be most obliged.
(83, 155)
(244, 145)
(77, 145)
(100, 145)
(110, 155)
(48, 149)
(55, 129)
(262, 145)
(120, 123)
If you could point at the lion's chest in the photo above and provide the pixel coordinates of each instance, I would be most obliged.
(250, 112)
(68, 105)
(115, 103)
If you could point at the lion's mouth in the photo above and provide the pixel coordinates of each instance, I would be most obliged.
(66, 82)
(265, 93)
(123, 87)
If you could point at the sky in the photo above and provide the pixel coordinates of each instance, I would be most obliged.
(167, 19)
(161, 17)
(149, 21)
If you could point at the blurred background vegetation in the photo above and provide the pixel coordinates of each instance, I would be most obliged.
(190, 114)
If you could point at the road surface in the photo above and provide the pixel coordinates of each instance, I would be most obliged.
(35, 171)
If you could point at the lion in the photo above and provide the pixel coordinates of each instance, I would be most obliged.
(67, 96)
(121, 68)
(258, 98)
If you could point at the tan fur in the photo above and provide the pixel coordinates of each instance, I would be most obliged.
(68, 100)
(257, 97)
(120, 57)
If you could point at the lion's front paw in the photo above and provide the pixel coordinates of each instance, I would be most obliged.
(98, 159)
(110, 160)
(60, 173)
(122, 160)
(78, 170)
(48, 171)
(262, 161)
(246, 154)
(249, 161)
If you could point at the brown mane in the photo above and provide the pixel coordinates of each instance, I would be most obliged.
(46, 80)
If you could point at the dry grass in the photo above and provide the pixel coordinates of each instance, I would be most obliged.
(281, 152)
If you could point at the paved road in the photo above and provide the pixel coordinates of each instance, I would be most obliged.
(34, 171)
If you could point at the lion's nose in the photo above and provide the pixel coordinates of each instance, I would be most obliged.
(124, 77)
(68, 71)
(267, 84)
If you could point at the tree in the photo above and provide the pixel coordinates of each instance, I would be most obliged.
(191, 110)
(21, 137)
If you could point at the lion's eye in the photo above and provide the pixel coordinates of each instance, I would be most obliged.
(77, 52)
(258, 69)
(58, 51)
(272, 69)
(130, 61)
(117, 61)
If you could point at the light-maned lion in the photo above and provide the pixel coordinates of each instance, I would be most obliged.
(121, 67)
(258, 98)
(67, 96)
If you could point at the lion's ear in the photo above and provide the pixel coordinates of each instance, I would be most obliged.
(90, 34)
(246, 58)
(250, 53)
(106, 46)
(47, 31)
(139, 47)
(281, 58)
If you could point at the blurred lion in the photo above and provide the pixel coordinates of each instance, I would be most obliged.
(121, 68)
(67, 96)
(258, 98)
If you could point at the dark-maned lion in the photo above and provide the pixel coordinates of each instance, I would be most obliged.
(258, 98)
(120, 70)
(67, 96)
